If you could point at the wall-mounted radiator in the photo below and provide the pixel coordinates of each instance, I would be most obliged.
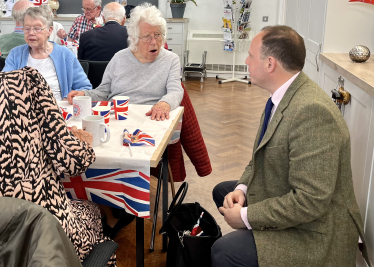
(217, 60)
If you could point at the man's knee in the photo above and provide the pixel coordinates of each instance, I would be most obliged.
(218, 253)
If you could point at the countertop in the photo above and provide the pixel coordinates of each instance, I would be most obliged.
(361, 74)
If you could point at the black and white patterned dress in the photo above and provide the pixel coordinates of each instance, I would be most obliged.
(36, 147)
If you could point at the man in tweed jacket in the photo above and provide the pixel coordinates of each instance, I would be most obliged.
(294, 204)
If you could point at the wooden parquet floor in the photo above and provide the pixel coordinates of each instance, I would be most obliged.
(229, 116)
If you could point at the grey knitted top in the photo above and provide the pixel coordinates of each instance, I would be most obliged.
(144, 83)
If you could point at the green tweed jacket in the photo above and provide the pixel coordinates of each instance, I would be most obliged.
(301, 203)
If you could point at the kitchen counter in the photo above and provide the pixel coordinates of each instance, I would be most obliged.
(361, 74)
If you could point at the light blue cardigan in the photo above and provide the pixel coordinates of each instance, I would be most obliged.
(70, 73)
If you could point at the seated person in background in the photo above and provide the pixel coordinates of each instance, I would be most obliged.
(16, 38)
(102, 43)
(294, 205)
(145, 72)
(37, 148)
(56, 63)
(85, 22)
(56, 27)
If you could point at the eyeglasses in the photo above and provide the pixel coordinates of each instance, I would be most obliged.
(148, 38)
(88, 10)
(35, 29)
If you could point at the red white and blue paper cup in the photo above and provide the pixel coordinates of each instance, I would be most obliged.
(102, 111)
(121, 107)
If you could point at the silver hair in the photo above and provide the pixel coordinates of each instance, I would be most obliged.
(17, 13)
(41, 13)
(97, 2)
(147, 13)
(118, 13)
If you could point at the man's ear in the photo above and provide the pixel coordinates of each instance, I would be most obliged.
(124, 20)
(271, 62)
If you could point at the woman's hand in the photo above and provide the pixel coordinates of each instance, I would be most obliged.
(73, 93)
(82, 135)
(159, 111)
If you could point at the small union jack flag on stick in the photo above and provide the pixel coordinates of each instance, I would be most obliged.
(138, 138)
(196, 230)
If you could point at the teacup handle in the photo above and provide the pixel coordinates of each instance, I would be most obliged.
(102, 140)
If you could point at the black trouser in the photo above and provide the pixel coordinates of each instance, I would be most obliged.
(237, 248)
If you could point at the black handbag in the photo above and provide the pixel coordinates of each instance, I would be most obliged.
(185, 250)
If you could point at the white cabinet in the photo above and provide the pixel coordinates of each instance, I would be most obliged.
(359, 116)
(177, 36)
(6, 26)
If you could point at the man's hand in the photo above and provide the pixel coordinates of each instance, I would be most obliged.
(73, 93)
(232, 216)
(159, 111)
(82, 135)
(61, 33)
(234, 197)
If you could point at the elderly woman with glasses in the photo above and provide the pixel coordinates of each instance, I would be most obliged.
(145, 72)
(58, 65)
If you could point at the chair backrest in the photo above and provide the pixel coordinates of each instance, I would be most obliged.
(96, 71)
(85, 66)
(2, 63)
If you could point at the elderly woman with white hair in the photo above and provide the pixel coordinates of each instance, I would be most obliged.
(144, 71)
(58, 65)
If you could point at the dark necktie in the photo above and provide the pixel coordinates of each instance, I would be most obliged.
(268, 108)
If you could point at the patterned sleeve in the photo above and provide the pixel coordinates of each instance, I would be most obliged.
(73, 30)
(68, 154)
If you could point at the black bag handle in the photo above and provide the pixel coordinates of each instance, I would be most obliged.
(173, 208)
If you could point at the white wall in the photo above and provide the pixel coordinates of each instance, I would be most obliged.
(347, 25)
(207, 15)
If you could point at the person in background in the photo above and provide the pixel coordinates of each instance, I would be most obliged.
(102, 43)
(56, 63)
(294, 205)
(36, 149)
(85, 22)
(56, 26)
(145, 72)
(16, 38)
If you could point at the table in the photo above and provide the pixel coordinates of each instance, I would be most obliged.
(116, 157)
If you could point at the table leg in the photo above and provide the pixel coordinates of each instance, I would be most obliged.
(165, 165)
(139, 242)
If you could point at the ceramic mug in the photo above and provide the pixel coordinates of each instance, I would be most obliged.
(95, 125)
(121, 107)
(81, 107)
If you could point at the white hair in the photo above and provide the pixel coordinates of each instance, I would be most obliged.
(116, 11)
(19, 10)
(97, 2)
(41, 13)
(147, 13)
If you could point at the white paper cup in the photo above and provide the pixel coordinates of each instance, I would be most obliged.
(121, 107)
(95, 125)
(81, 107)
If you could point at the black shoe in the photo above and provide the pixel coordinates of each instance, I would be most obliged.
(126, 219)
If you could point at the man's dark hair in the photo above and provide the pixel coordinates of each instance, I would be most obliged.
(285, 45)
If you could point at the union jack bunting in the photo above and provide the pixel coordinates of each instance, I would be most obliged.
(123, 189)
(138, 138)
(39, 2)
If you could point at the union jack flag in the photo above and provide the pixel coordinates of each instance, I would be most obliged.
(138, 138)
(123, 189)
